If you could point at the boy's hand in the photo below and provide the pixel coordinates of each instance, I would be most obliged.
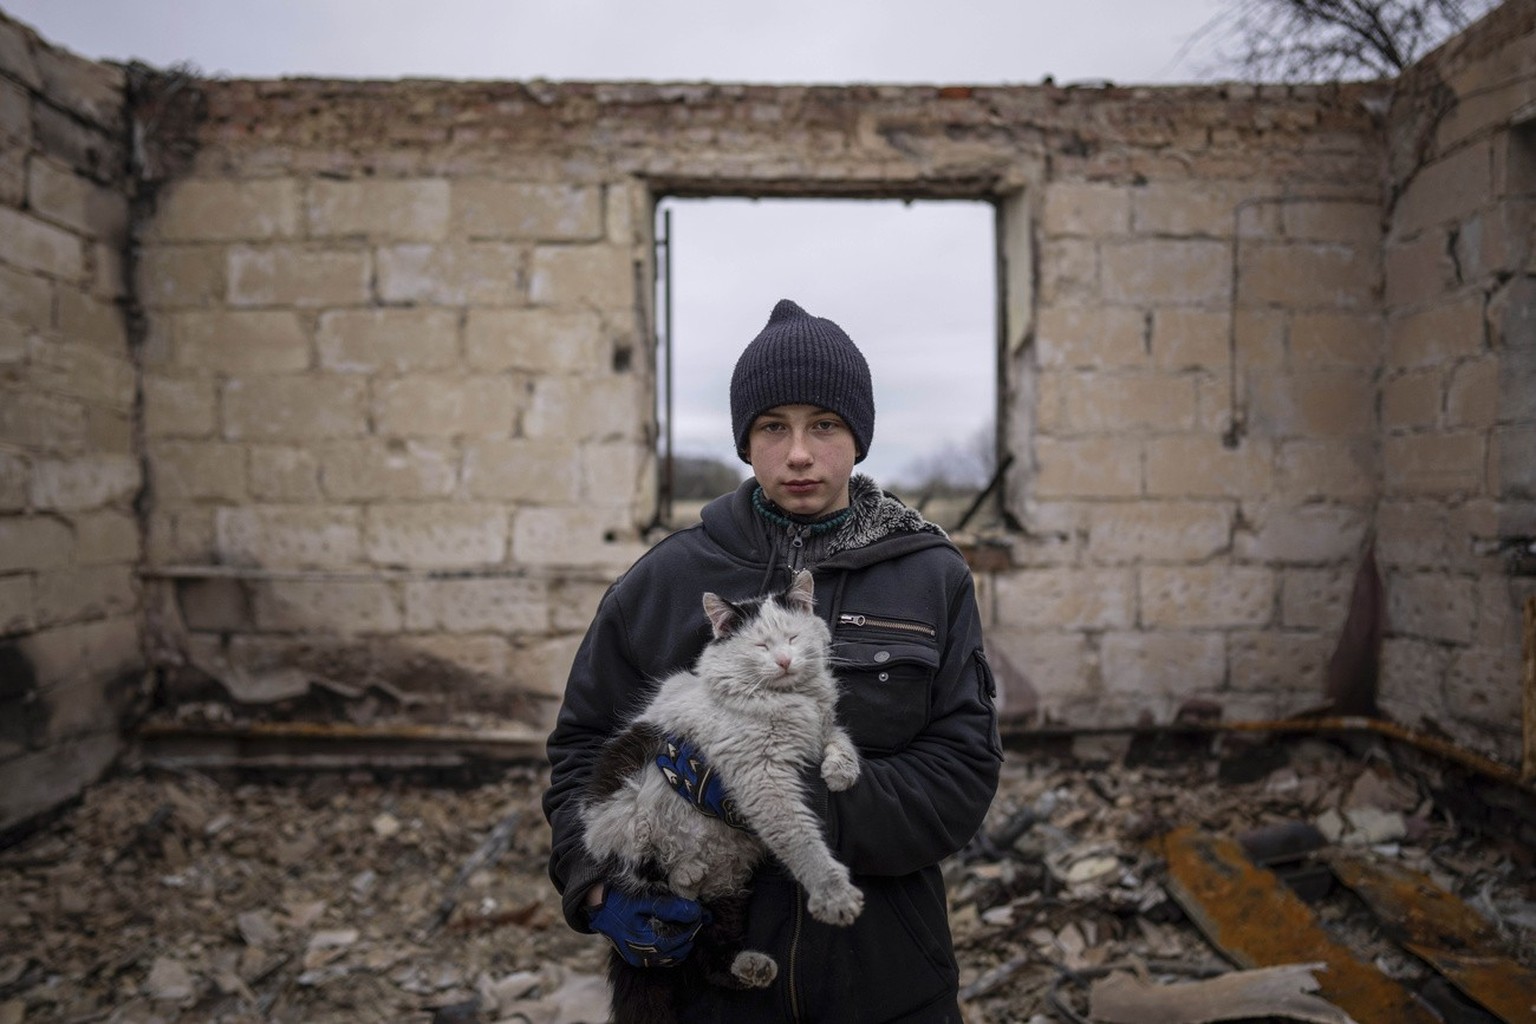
(648, 931)
(695, 781)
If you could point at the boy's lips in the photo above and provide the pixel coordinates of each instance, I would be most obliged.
(800, 486)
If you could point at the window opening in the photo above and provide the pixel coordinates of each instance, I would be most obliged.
(914, 283)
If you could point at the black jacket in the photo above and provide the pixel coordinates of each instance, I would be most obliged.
(917, 698)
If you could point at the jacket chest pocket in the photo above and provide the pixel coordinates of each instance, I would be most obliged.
(885, 679)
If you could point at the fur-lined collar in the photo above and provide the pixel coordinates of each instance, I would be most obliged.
(876, 515)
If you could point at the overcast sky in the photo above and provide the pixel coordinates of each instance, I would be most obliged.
(912, 284)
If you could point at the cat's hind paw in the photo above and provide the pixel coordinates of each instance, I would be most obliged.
(839, 903)
(839, 770)
(684, 878)
(754, 969)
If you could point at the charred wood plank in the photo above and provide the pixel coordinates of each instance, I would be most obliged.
(1249, 915)
(1445, 933)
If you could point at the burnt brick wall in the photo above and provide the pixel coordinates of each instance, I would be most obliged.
(71, 620)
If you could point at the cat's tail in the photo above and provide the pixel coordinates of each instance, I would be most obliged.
(642, 995)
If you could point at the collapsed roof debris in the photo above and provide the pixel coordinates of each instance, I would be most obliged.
(179, 895)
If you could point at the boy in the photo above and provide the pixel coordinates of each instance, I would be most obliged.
(917, 695)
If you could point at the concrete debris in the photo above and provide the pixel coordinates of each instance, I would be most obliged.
(180, 897)
(170, 981)
(1282, 992)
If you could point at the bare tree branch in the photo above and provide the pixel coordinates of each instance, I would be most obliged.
(1319, 40)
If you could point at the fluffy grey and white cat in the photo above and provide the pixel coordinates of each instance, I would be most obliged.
(759, 705)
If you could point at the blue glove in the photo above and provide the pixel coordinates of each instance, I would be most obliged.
(648, 931)
(695, 781)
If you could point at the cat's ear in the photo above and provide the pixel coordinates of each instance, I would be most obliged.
(723, 616)
(801, 594)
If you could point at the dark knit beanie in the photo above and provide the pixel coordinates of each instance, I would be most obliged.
(802, 359)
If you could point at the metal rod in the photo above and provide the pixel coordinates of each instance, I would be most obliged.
(1528, 663)
(669, 473)
(992, 485)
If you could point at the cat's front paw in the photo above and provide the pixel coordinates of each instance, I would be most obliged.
(754, 969)
(838, 903)
(839, 770)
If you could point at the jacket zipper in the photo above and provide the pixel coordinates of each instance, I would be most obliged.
(896, 624)
(796, 547)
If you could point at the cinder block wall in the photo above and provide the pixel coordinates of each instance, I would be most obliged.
(1200, 412)
(71, 618)
(397, 386)
(1458, 396)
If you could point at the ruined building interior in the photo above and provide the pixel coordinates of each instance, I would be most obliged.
(326, 416)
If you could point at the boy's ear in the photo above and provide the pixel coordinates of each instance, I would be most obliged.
(802, 592)
(723, 616)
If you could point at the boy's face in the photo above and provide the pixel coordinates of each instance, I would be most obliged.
(802, 457)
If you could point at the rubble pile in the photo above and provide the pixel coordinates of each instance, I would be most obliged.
(1064, 890)
(174, 896)
(168, 897)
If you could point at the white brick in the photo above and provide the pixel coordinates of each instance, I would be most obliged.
(533, 212)
(536, 472)
(400, 211)
(1209, 596)
(1094, 467)
(106, 537)
(1279, 662)
(1305, 534)
(282, 473)
(294, 408)
(535, 340)
(446, 406)
(1431, 606)
(288, 275)
(227, 211)
(30, 244)
(437, 535)
(245, 341)
(87, 482)
(397, 340)
(198, 470)
(583, 275)
(492, 604)
(1067, 598)
(574, 537)
(179, 406)
(339, 606)
(1158, 532)
(1040, 672)
(371, 468)
(474, 274)
(288, 537)
(585, 409)
(1166, 664)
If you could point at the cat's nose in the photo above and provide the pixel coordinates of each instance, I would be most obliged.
(784, 661)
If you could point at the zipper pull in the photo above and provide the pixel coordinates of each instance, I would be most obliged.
(797, 537)
(851, 620)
